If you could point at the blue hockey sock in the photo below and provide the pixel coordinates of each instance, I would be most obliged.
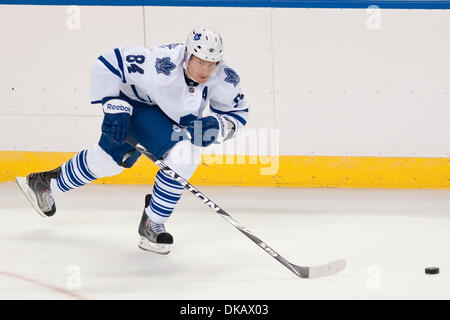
(74, 173)
(166, 193)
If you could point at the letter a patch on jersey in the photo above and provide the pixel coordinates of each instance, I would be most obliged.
(164, 66)
(232, 76)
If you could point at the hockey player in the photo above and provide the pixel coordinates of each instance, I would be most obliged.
(157, 97)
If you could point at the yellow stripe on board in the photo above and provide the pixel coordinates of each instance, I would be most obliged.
(285, 171)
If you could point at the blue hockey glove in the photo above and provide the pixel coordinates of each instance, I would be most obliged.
(211, 129)
(117, 119)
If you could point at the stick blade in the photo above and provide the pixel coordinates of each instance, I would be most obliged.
(322, 270)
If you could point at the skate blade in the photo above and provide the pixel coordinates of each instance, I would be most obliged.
(29, 194)
(146, 245)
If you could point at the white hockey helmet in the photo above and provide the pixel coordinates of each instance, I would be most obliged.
(205, 44)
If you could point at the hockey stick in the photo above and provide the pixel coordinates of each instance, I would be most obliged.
(302, 272)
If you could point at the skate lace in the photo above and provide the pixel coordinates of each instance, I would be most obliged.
(47, 200)
(158, 228)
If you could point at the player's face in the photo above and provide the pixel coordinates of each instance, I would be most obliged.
(200, 69)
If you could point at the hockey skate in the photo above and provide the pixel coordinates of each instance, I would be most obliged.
(153, 236)
(36, 188)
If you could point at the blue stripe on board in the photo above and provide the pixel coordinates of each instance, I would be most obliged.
(388, 4)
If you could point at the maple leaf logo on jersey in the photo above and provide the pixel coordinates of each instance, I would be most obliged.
(164, 66)
(232, 76)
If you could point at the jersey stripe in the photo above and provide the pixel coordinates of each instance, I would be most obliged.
(136, 93)
(120, 62)
(110, 67)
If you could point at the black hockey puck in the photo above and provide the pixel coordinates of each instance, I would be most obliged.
(432, 270)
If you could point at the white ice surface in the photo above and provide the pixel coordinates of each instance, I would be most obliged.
(386, 236)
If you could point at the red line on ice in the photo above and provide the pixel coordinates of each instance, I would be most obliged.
(42, 284)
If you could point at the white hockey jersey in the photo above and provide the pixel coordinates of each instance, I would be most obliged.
(156, 76)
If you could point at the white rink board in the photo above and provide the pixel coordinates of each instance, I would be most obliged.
(344, 89)
(51, 130)
(331, 85)
(48, 65)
